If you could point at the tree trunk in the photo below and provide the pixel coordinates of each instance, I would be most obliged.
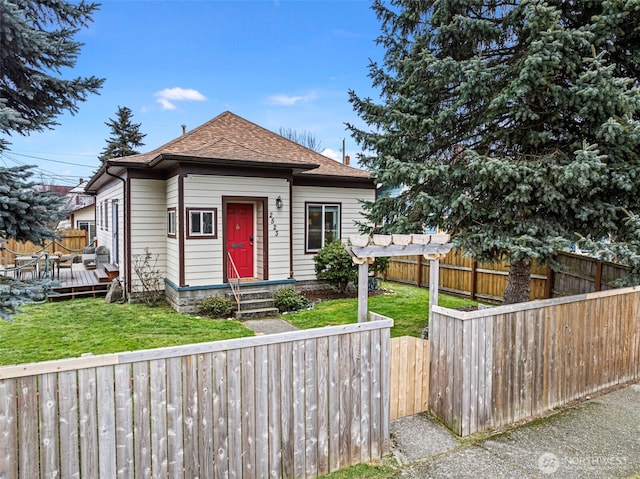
(518, 287)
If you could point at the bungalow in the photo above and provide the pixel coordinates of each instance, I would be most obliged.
(227, 199)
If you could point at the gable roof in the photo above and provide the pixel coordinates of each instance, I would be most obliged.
(232, 140)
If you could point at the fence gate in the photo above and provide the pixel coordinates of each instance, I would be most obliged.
(409, 385)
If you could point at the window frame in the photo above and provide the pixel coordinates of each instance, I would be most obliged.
(214, 226)
(307, 204)
(106, 215)
(89, 224)
(172, 232)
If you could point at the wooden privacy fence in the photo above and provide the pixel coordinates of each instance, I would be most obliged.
(297, 404)
(461, 275)
(499, 365)
(69, 241)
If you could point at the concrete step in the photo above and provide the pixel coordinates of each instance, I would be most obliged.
(257, 313)
(249, 304)
(249, 294)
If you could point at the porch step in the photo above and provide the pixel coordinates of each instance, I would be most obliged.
(255, 303)
(112, 271)
(249, 304)
(102, 275)
(247, 294)
(257, 313)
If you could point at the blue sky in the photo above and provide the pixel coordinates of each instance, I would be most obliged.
(282, 63)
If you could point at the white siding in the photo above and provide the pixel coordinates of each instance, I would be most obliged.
(172, 245)
(148, 223)
(113, 191)
(84, 214)
(204, 257)
(350, 212)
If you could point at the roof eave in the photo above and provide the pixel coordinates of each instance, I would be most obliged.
(219, 161)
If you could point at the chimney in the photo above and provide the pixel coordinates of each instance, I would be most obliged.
(184, 129)
(347, 160)
(81, 180)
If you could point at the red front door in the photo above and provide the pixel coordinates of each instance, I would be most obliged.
(240, 238)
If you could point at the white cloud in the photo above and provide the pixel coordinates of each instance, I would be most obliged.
(168, 96)
(288, 100)
(334, 155)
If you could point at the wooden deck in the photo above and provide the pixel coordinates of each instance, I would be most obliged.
(83, 283)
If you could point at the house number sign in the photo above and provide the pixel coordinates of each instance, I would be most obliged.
(274, 226)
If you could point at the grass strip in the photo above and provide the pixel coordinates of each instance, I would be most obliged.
(71, 328)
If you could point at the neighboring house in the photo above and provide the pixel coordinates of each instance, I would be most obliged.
(84, 218)
(226, 193)
(80, 210)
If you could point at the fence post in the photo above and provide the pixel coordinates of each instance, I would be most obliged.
(598, 281)
(419, 271)
(548, 284)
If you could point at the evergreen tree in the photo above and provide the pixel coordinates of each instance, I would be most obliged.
(26, 212)
(125, 136)
(24, 216)
(512, 125)
(36, 44)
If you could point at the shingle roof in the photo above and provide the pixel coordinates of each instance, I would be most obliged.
(232, 138)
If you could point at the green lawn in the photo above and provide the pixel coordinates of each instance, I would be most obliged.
(70, 328)
(407, 305)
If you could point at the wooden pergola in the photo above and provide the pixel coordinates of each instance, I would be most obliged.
(364, 249)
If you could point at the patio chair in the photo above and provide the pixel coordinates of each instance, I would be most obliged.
(89, 257)
(65, 261)
(26, 266)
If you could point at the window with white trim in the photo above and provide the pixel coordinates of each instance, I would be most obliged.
(88, 226)
(202, 223)
(106, 215)
(323, 225)
(171, 222)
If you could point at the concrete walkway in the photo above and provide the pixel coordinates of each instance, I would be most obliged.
(268, 325)
(599, 438)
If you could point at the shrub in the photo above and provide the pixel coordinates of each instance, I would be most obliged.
(334, 265)
(217, 307)
(150, 281)
(290, 299)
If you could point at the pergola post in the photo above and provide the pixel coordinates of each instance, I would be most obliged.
(363, 291)
(434, 277)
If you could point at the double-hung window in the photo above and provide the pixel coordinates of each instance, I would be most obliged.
(323, 225)
(202, 223)
(106, 216)
(171, 222)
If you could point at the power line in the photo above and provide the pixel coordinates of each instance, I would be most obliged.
(85, 155)
(53, 161)
(71, 179)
